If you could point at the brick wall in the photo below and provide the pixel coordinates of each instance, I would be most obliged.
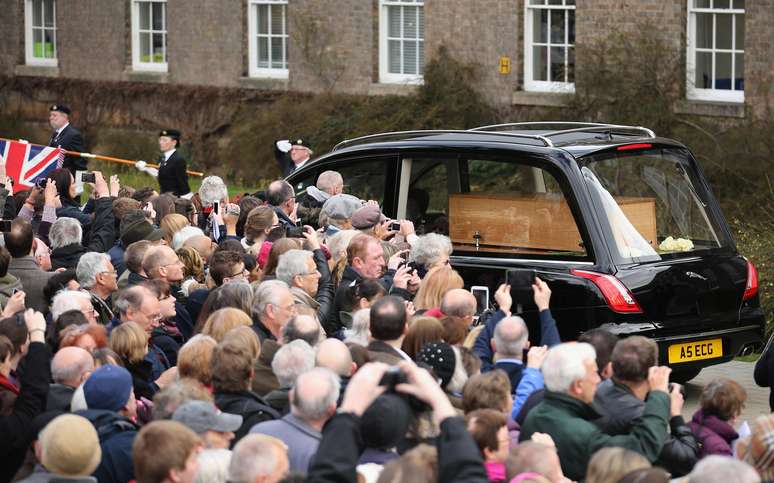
(759, 56)
(13, 35)
(205, 44)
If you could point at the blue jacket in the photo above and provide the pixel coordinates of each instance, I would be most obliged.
(116, 435)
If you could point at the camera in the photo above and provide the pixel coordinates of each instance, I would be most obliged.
(672, 386)
(88, 177)
(395, 226)
(294, 231)
(41, 183)
(394, 376)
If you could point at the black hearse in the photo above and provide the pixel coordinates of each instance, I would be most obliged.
(619, 222)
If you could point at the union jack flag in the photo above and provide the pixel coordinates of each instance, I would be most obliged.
(26, 163)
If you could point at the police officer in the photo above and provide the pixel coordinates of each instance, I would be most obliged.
(65, 136)
(172, 171)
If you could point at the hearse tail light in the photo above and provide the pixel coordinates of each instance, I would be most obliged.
(616, 294)
(751, 289)
(629, 147)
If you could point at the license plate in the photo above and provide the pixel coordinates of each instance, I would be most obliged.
(696, 351)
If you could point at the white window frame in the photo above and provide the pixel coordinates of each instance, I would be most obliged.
(30, 57)
(252, 28)
(385, 76)
(137, 63)
(717, 95)
(540, 85)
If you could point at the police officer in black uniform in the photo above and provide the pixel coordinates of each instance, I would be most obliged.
(65, 136)
(172, 172)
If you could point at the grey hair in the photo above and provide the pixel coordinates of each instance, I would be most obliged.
(129, 298)
(720, 469)
(65, 231)
(429, 248)
(505, 344)
(212, 189)
(61, 373)
(292, 263)
(315, 408)
(213, 465)
(291, 360)
(329, 180)
(253, 456)
(266, 293)
(339, 242)
(184, 234)
(360, 332)
(293, 330)
(564, 364)
(66, 300)
(89, 266)
(460, 375)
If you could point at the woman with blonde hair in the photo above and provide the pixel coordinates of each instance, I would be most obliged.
(171, 224)
(195, 359)
(130, 342)
(223, 320)
(436, 283)
(609, 465)
(246, 337)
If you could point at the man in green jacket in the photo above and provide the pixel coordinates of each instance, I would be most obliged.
(566, 414)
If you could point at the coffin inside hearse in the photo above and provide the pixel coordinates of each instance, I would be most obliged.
(531, 224)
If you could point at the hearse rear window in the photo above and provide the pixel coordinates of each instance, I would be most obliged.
(651, 203)
(494, 207)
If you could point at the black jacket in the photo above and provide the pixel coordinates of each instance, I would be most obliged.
(59, 398)
(459, 459)
(349, 276)
(71, 140)
(17, 429)
(98, 236)
(173, 177)
(764, 373)
(619, 408)
(116, 436)
(247, 404)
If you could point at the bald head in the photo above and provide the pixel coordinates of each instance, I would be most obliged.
(331, 182)
(202, 244)
(510, 337)
(156, 257)
(314, 395)
(333, 354)
(71, 366)
(302, 327)
(458, 303)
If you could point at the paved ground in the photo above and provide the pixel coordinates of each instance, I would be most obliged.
(742, 372)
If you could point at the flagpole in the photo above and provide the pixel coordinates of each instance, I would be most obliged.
(103, 158)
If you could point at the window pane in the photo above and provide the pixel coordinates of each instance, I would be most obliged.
(145, 48)
(540, 26)
(144, 15)
(704, 30)
(554, 2)
(701, 3)
(537, 2)
(539, 61)
(557, 26)
(721, 4)
(557, 64)
(263, 52)
(263, 19)
(738, 3)
(276, 53)
(723, 35)
(158, 48)
(739, 20)
(739, 72)
(410, 57)
(723, 71)
(158, 16)
(570, 64)
(37, 42)
(276, 20)
(571, 26)
(48, 16)
(393, 21)
(421, 22)
(393, 56)
(703, 78)
(37, 12)
(49, 42)
(410, 22)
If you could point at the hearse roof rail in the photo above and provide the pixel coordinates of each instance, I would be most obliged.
(398, 135)
(570, 128)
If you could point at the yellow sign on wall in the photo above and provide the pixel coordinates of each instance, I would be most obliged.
(505, 65)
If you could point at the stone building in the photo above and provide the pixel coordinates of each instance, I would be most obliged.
(525, 50)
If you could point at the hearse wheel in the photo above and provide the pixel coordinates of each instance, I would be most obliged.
(681, 376)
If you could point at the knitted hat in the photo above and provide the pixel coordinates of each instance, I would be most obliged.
(366, 217)
(109, 388)
(385, 422)
(439, 356)
(70, 446)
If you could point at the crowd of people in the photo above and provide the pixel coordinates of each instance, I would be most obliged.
(157, 338)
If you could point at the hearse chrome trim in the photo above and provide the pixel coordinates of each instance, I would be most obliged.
(580, 127)
(702, 335)
(402, 135)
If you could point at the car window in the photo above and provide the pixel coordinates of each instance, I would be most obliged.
(365, 179)
(492, 206)
(303, 182)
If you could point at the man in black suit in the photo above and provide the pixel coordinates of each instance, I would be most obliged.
(65, 136)
(172, 172)
(291, 156)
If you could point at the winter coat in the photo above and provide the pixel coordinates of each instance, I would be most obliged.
(323, 301)
(99, 235)
(59, 397)
(41, 475)
(116, 435)
(764, 373)
(569, 421)
(715, 435)
(247, 404)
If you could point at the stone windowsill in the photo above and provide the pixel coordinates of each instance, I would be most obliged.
(36, 71)
(385, 89)
(146, 76)
(264, 83)
(709, 108)
(543, 99)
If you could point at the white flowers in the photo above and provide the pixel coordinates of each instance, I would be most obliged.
(676, 245)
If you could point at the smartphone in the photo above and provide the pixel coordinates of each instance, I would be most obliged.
(482, 298)
(5, 226)
(88, 177)
(41, 183)
(521, 280)
(395, 226)
(216, 207)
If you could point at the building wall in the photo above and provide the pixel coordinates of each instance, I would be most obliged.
(759, 58)
(13, 35)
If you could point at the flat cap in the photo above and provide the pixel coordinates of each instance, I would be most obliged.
(341, 207)
(366, 217)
